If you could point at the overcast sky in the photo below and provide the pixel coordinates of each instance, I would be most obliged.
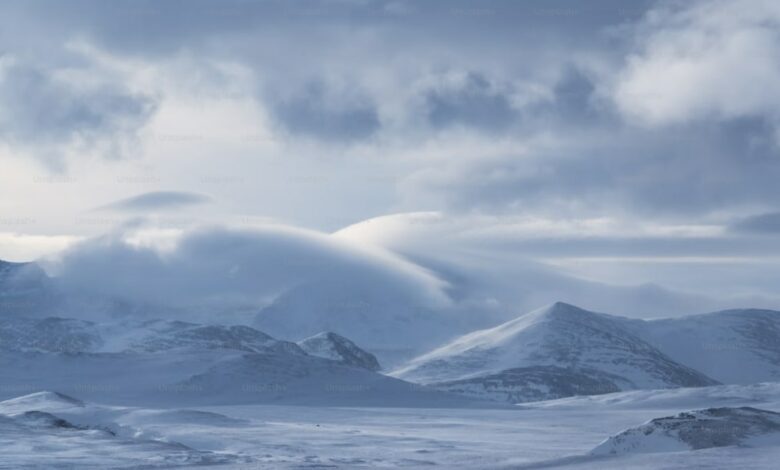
(624, 142)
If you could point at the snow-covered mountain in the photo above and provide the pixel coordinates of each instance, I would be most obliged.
(552, 352)
(699, 429)
(329, 345)
(161, 362)
(732, 346)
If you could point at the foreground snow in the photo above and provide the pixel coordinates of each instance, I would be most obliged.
(51, 430)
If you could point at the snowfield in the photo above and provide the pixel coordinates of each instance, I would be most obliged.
(51, 430)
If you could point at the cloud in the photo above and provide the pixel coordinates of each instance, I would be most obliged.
(768, 223)
(693, 171)
(472, 101)
(56, 110)
(655, 112)
(500, 267)
(501, 264)
(224, 274)
(157, 200)
(545, 237)
(320, 112)
(24, 247)
(212, 270)
(703, 60)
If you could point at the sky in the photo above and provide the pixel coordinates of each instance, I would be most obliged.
(627, 143)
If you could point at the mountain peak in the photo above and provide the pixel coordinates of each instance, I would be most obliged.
(553, 313)
(546, 346)
(333, 346)
(562, 308)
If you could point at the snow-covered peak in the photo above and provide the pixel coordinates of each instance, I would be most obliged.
(543, 348)
(332, 346)
(552, 317)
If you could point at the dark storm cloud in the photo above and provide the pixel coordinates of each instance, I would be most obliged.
(573, 98)
(473, 103)
(313, 112)
(37, 109)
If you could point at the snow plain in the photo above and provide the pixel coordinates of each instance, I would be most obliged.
(552, 434)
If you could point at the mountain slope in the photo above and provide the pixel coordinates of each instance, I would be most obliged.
(546, 348)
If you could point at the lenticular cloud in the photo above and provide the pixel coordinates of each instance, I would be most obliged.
(228, 267)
